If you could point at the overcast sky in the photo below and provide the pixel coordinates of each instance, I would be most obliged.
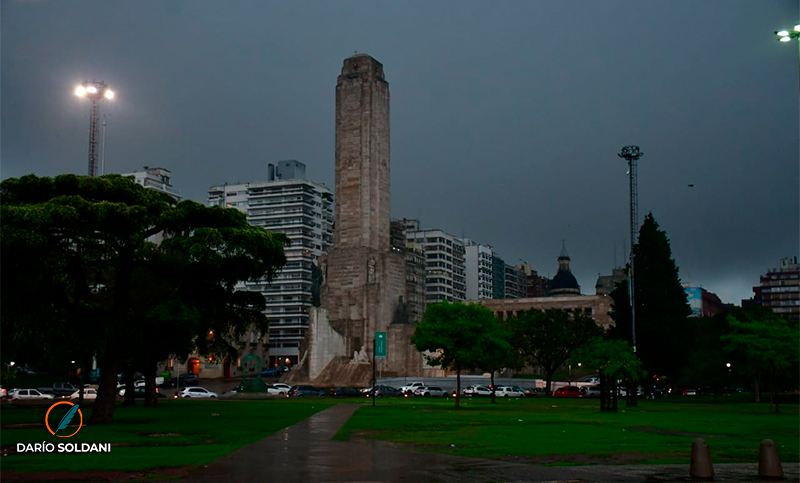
(506, 117)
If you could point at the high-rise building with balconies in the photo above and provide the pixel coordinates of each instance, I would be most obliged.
(445, 272)
(780, 289)
(303, 210)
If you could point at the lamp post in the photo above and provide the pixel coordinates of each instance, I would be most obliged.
(632, 154)
(94, 90)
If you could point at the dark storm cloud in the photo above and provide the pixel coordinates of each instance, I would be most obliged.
(506, 117)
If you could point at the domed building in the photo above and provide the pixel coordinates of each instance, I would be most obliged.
(564, 283)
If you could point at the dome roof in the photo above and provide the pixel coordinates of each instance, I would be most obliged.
(564, 283)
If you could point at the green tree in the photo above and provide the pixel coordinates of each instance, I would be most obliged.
(497, 352)
(455, 334)
(613, 360)
(91, 237)
(548, 338)
(661, 305)
(769, 343)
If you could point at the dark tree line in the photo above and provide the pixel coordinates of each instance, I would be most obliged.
(104, 268)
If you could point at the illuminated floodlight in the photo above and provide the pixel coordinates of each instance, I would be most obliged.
(785, 39)
(782, 33)
(109, 94)
(80, 91)
(91, 89)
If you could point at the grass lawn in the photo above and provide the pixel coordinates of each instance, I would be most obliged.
(574, 431)
(178, 433)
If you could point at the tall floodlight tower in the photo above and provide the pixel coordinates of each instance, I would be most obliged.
(95, 91)
(632, 154)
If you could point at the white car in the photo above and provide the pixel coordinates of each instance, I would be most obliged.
(283, 387)
(411, 388)
(29, 394)
(88, 393)
(196, 392)
(428, 391)
(274, 390)
(591, 391)
(508, 391)
(477, 391)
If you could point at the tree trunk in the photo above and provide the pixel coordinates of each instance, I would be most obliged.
(774, 389)
(757, 395)
(548, 375)
(150, 399)
(103, 411)
(603, 393)
(130, 390)
(458, 387)
(493, 398)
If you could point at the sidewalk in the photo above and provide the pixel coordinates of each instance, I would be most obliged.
(305, 453)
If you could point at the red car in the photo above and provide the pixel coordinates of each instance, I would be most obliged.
(568, 391)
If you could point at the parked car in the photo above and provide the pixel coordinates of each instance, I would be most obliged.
(590, 391)
(276, 391)
(593, 380)
(306, 391)
(535, 391)
(29, 394)
(141, 383)
(623, 391)
(384, 391)
(346, 392)
(184, 380)
(661, 391)
(59, 389)
(139, 392)
(689, 392)
(476, 390)
(568, 391)
(271, 372)
(3, 393)
(196, 392)
(283, 386)
(508, 391)
(517, 388)
(411, 387)
(428, 391)
(88, 393)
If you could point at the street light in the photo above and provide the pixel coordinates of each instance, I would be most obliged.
(632, 154)
(786, 36)
(94, 90)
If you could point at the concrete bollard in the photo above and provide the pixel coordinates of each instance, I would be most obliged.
(701, 467)
(769, 465)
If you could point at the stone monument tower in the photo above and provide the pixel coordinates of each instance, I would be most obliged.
(363, 279)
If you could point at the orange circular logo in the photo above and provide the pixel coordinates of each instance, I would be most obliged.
(65, 420)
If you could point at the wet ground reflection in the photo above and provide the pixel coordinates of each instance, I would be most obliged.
(305, 453)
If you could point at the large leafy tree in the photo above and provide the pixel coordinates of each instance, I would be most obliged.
(497, 353)
(613, 360)
(548, 338)
(456, 336)
(661, 305)
(769, 344)
(102, 285)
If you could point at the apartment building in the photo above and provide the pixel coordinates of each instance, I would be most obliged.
(445, 274)
(303, 210)
(158, 179)
(780, 289)
(478, 270)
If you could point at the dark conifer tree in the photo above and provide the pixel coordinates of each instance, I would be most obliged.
(661, 305)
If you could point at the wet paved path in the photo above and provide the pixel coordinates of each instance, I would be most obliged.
(305, 453)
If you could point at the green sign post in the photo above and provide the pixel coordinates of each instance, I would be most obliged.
(379, 351)
(380, 344)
